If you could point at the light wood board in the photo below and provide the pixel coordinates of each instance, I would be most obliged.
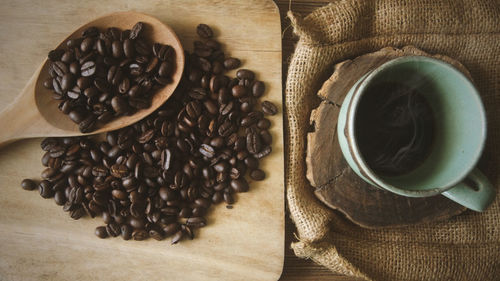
(38, 241)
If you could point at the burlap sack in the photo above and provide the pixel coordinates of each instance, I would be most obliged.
(467, 247)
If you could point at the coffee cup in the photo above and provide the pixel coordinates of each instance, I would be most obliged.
(458, 139)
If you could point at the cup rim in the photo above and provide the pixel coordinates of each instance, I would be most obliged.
(353, 146)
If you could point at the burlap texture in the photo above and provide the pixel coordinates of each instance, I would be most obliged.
(466, 247)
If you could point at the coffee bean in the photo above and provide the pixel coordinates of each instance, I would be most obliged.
(68, 56)
(45, 189)
(228, 198)
(88, 124)
(257, 175)
(258, 88)
(87, 44)
(113, 229)
(55, 55)
(140, 234)
(136, 30)
(232, 63)
(101, 232)
(264, 124)
(91, 31)
(196, 221)
(77, 213)
(60, 68)
(177, 237)
(263, 153)
(269, 108)
(204, 31)
(239, 185)
(28, 184)
(207, 150)
(239, 91)
(163, 52)
(252, 118)
(119, 105)
(126, 232)
(245, 74)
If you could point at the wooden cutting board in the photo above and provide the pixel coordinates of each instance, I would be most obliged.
(38, 241)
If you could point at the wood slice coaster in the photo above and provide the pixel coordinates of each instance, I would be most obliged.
(336, 184)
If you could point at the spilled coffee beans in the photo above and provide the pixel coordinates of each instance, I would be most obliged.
(159, 177)
(107, 74)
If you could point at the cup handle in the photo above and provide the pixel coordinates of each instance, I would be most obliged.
(475, 199)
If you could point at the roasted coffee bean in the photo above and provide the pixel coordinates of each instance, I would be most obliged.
(239, 91)
(77, 213)
(269, 108)
(136, 30)
(263, 153)
(211, 107)
(165, 53)
(140, 234)
(74, 68)
(264, 124)
(252, 118)
(257, 175)
(232, 63)
(113, 229)
(76, 116)
(117, 49)
(207, 150)
(88, 124)
(155, 234)
(91, 31)
(228, 198)
(221, 167)
(119, 105)
(251, 162)
(177, 237)
(245, 74)
(204, 31)
(126, 232)
(196, 222)
(74, 93)
(198, 93)
(254, 143)
(28, 184)
(239, 185)
(45, 189)
(87, 44)
(56, 54)
(101, 232)
(60, 68)
(68, 56)
(258, 88)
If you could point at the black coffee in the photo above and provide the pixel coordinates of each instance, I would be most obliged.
(394, 128)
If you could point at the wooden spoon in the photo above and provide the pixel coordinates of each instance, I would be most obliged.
(34, 113)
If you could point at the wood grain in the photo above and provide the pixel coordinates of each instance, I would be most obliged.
(38, 241)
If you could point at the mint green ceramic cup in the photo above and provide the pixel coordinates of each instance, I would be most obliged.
(459, 132)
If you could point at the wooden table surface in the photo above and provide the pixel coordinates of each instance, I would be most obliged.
(296, 269)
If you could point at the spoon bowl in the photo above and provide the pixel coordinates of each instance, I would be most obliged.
(35, 113)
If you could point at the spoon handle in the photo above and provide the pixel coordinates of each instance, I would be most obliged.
(21, 119)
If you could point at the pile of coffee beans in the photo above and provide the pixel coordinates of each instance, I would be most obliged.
(106, 74)
(159, 177)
